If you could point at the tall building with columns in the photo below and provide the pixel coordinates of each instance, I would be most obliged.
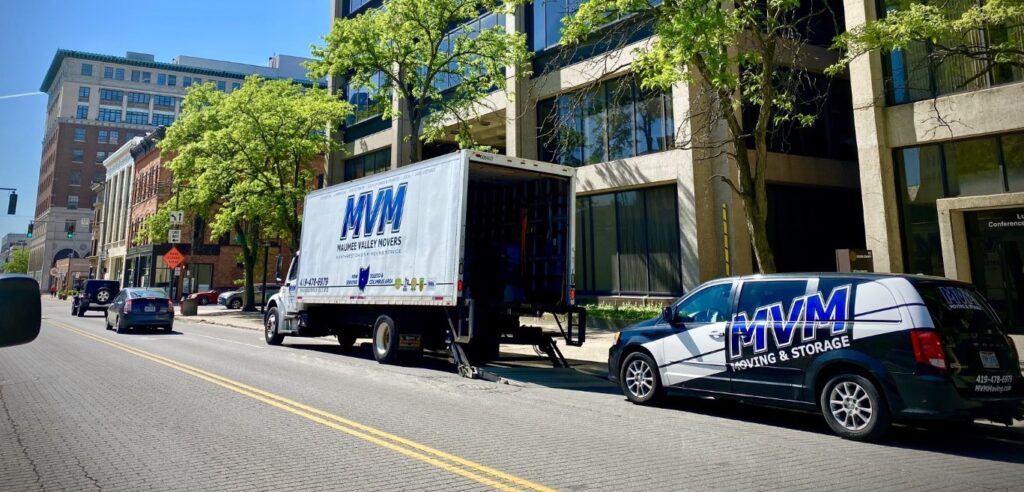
(116, 211)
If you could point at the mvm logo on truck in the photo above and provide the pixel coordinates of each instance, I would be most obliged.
(374, 211)
(806, 316)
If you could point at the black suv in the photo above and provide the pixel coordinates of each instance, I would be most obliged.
(96, 295)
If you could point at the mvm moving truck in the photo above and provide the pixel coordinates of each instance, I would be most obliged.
(446, 253)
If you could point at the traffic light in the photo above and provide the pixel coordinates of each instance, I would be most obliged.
(31, 226)
(71, 230)
(12, 205)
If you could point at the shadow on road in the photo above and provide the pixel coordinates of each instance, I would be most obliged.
(980, 441)
(150, 332)
(431, 360)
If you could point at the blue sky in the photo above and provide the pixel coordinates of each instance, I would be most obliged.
(247, 31)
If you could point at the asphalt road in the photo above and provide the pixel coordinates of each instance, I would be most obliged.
(210, 407)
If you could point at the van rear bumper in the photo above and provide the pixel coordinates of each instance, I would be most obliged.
(936, 398)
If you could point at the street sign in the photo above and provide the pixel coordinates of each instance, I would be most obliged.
(174, 258)
(174, 236)
(177, 217)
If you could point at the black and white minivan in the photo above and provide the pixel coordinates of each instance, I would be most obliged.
(863, 349)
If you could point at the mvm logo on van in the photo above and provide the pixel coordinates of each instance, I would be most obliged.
(373, 211)
(807, 315)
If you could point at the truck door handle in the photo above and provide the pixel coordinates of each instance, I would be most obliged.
(717, 334)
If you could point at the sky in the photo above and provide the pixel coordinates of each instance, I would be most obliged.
(31, 31)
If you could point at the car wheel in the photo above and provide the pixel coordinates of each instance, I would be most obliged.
(103, 295)
(640, 380)
(854, 408)
(81, 311)
(120, 327)
(169, 328)
(107, 323)
(74, 309)
(203, 301)
(235, 303)
(270, 328)
(346, 339)
(385, 340)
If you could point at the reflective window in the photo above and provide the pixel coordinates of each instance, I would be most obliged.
(79, 134)
(75, 178)
(168, 101)
(708, 305)
(362, 99)
(107, 114)
(161, 79)
(222, 86)
(172, 80)
(162, 119)
(136, 76)
(111, 96)
(87, 69)
(118, 74)
(758, 293)
(1013, 161)
(72, 202)
(108, 72)
(138, 98)
(77, 155)
(82, 112)
(137, 118)
(367, 164)
(547, 21)
(972, 167)
(84, 93)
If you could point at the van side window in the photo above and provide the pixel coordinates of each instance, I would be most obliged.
(760, 293)
(709, 305)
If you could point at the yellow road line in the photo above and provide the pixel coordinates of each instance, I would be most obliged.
(440, 459)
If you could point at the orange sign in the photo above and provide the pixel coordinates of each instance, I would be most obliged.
(174, 258)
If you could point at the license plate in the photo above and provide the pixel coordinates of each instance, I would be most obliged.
(149, 309)
(989, 360)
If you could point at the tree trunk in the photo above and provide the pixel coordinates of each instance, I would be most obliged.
(249, 236)
(757, 225)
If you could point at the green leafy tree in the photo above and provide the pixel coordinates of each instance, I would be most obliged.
(739, 53)
(244, 161)
(979, 38)
(417, 51)
(17, 262)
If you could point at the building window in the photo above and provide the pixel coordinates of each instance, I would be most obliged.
(547, 21)
(79, 134)
(136, 118)
(235, 86)
(197, 81)
(84, 93)
(628, 242)
(87, 69)
(163, 119)
(927, 173)
(147, 77)
(172, 80)
(114, 136)
(99, 177)
(222, 86)
(138, 98)
(470, 29)
(101, 156)
(77, 155)
(166, 101)
(118, 74)
(111, 96)
(136, 76)
(82, 112)
(367, 164)
(72, 202)
(103, 136)
(107, 114)
(75, 178)
(161, 79)
(355, 5)
(186, 82)
(614, 120)
(361, 98)
(108, 72)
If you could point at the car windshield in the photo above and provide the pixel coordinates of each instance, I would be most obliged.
(147, 293)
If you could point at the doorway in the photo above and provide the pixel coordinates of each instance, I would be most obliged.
(996, 249)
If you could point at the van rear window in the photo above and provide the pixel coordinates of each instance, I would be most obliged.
(957, 308)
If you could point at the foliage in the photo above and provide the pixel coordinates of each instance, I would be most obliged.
(626, 312)
(950, 30)
(17, 262)
(739, 53)
(244, 161)
(411, 44)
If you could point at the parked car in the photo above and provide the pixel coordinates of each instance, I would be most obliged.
(96, 295)
(862, 349)
(234, 299)
(140, 308)
(207, 296)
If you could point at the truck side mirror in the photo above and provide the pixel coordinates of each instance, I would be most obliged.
(21, 308)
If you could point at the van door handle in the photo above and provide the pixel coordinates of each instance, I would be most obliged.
(717, 334)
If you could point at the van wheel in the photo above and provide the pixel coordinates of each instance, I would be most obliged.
(640, 380)
(346, 339)
(854, 408)
(385, 340)
(270, 328)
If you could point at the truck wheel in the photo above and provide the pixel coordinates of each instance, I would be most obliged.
(346, 339)
(270, 328)
(854, 408)
(385, 340)
(640, 380)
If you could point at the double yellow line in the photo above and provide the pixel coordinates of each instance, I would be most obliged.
(474, 471)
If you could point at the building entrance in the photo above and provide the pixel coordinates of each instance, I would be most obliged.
(996, 248)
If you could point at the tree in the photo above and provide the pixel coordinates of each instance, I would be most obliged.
(986, 34)
(17, 262)
(743, 55)
(244, 161)
(430, 56)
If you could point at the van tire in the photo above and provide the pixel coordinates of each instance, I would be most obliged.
(640, 380)
(270, 327)
(385, 340)
(854, 408)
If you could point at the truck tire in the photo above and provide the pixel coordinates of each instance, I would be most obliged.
(385, 340)
(854, 408)
(270, 333)
(346, 339)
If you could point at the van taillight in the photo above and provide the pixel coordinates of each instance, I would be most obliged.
(127, 307)
(928, 348)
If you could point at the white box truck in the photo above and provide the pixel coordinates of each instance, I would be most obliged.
(444, 254)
